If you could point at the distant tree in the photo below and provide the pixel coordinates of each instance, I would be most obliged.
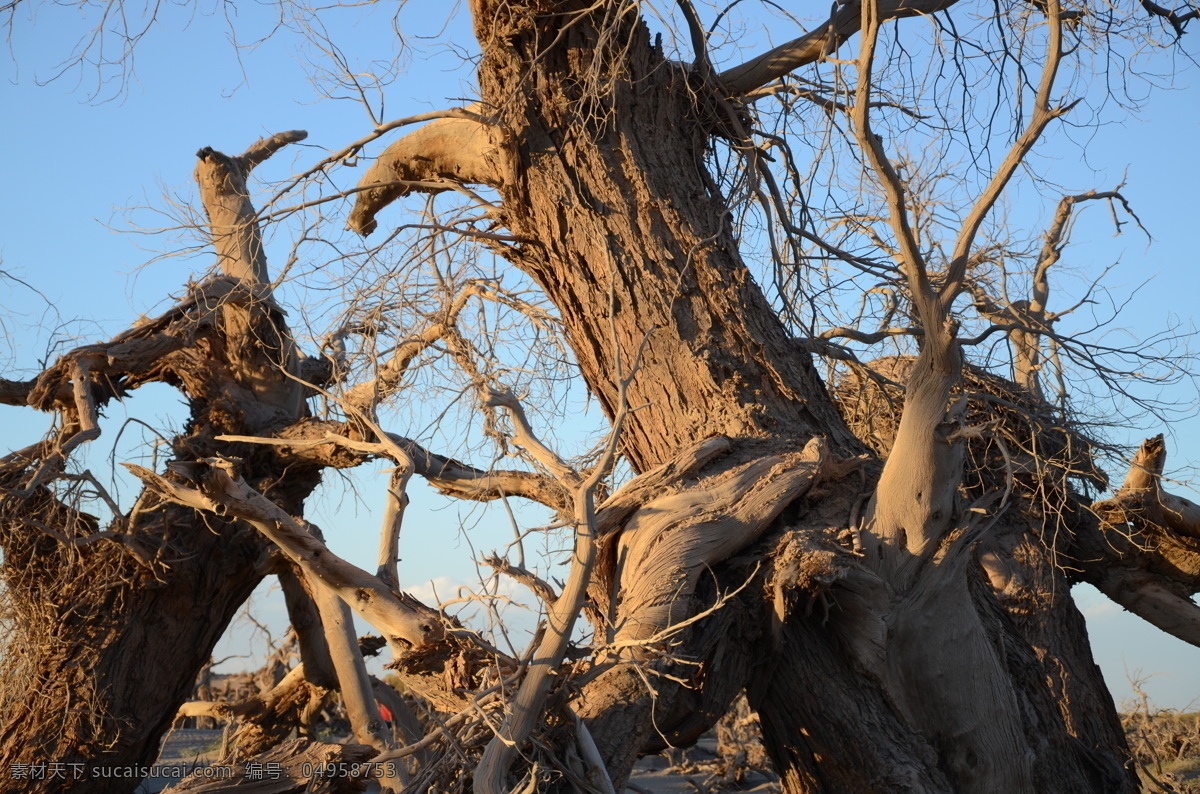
(875, 543)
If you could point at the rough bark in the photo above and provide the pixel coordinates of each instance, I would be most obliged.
(604, 178)
(896, 669)
(112, 634)
(117, 648)
(1035, 592)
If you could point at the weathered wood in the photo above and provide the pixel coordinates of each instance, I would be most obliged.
(672, 540)
(268, 718)
(446, 151)
(101, 682)
(259, 348)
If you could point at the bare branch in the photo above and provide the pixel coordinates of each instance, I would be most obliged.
(393, 519)
(263, 148)
(703, 63)
(323, 441)
(911, 261)
(565, 610)
(354, 682)
(223, 493)
(1177, 20)
(353, 149)
(531, 580)
(365, 396)
(1150, 598)
(1043, 113)
(866, 338)
(15, 392)
(819, 43)
(524, 435)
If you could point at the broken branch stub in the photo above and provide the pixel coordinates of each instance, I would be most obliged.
(226, 198)
(454, 150)
(1141, 547)
(1141, 500)
(259, 345)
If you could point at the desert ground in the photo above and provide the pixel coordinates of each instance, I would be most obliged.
(693, 771)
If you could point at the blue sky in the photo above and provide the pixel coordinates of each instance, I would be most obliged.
(71, 165)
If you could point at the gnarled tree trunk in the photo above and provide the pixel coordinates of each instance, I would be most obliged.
(110, 628)
(893, 635)
(911, 676)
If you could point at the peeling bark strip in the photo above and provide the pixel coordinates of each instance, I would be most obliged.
(672, 540)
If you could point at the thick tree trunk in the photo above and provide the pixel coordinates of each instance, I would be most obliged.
(1036, 594)
(602, 171)
(605, 156)
(116, 649)
(893, 670)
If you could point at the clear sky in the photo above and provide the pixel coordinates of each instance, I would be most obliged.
(71, 164)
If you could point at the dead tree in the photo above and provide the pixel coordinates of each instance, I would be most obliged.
(894, 602)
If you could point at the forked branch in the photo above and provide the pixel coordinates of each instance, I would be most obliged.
(565, 610)
(1043, 112)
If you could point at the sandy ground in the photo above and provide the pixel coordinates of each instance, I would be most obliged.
(689, 773)
(184, 750)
